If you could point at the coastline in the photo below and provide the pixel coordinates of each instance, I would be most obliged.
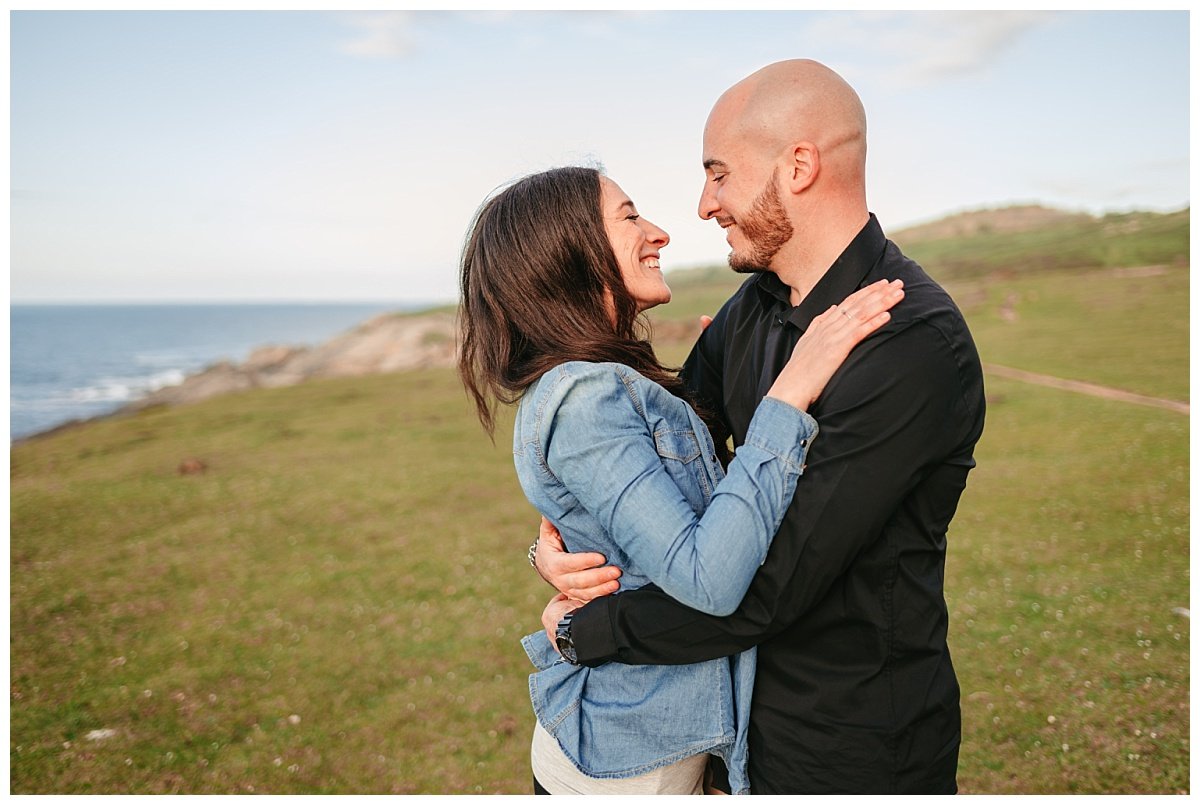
(386, 342)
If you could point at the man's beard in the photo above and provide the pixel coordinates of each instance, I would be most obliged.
(766, 228)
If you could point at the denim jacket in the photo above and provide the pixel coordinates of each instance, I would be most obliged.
(624, 468)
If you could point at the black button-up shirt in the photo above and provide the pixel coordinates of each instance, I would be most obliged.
(855, 690)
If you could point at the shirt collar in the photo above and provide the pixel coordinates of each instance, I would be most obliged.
(842, 279)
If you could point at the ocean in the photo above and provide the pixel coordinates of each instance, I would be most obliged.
(80, 361)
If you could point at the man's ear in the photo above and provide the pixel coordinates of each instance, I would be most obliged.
(804, 163)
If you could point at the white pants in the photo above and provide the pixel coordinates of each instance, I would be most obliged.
(558, 775)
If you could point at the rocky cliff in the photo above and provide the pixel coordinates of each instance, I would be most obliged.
(387, 343)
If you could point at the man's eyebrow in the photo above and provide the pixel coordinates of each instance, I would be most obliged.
(709, 164)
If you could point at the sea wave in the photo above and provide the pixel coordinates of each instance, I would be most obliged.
(123, 389)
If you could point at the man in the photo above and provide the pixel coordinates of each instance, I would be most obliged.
(855, 691)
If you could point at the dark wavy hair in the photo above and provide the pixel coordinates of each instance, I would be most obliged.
(541, 286)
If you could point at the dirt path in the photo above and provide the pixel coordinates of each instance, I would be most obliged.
(1086, 388)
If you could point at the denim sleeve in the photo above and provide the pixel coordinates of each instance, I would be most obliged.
(597, 443)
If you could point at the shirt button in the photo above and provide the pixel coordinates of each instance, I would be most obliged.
(804, 442)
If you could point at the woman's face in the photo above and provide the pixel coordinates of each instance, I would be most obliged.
(636, 242)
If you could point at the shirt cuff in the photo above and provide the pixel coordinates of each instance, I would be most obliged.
(782, 430)
(592, 633)
(539, 650)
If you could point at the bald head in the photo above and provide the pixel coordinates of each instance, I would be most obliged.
(785, 154)
(792, 101)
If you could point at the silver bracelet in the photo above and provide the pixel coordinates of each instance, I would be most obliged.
(532, 555)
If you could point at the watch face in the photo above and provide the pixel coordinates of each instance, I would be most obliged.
(567, 649)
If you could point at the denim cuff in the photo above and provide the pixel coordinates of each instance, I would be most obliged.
(782, 430)
(539, 650)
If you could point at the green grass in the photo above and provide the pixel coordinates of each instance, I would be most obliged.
(1126, 239)
(354, 557)
(1067, 558)
(1120, 329)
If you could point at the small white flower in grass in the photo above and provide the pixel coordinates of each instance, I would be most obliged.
(278, 761)
(1051, 719)
(293, 719)
(1065, 747)
(293, 768)
(100, 735)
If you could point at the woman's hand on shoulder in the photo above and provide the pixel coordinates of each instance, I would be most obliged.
(829, 339)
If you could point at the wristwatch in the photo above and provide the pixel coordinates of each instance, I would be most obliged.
(562, 639)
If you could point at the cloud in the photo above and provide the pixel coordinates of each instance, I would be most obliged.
(536, 29)
(382, 35)
(1146, 191)
(967, 42)
(1171, 165)
(928, 47)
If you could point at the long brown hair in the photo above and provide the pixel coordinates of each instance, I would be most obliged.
(540, 284)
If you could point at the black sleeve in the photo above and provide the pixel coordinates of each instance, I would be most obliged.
(891, 414)
(702, 374)
(702, 370)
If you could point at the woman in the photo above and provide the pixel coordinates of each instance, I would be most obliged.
(555, 272)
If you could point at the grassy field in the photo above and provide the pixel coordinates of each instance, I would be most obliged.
(1115, 240)
(335, 604)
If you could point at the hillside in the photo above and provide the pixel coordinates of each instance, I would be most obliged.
(320, 588)
(1008, 240)
(1011, 219)
(1016, 240)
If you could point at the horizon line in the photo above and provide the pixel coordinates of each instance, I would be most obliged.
(39, 302)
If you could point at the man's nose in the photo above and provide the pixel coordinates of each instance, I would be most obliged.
(708, 201)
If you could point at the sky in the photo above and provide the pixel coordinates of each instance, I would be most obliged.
(333, 156)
